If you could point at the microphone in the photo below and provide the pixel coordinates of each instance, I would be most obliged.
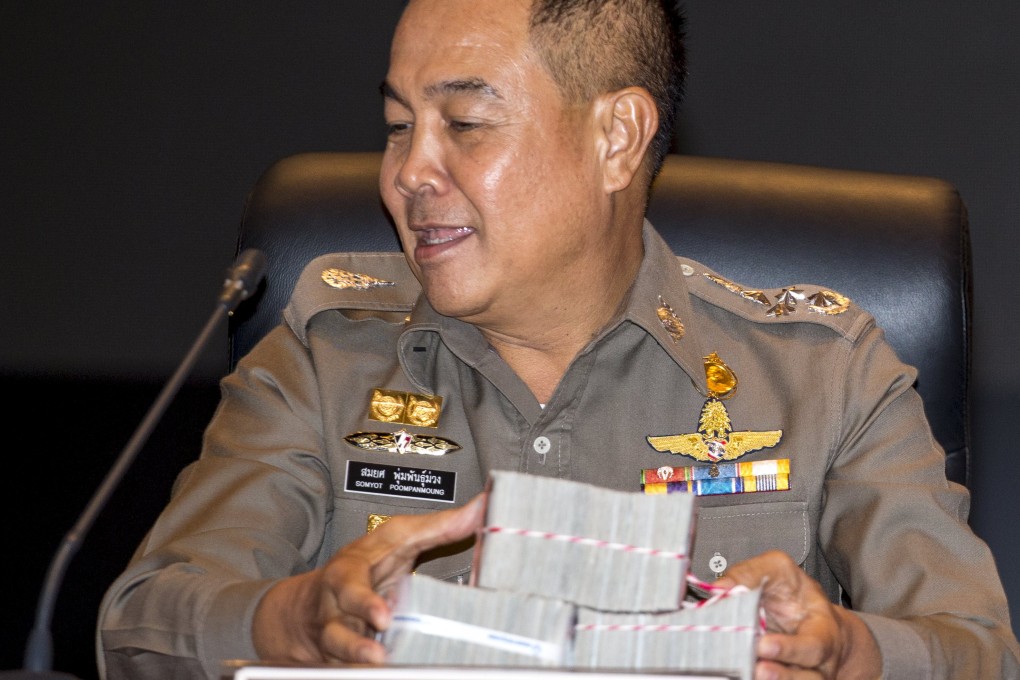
(243, 277)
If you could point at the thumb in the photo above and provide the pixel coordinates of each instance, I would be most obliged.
(424, 532)
(396, 544)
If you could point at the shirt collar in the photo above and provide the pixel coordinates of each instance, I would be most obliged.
(660, 295)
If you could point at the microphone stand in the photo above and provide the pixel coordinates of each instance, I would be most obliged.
(243, 278)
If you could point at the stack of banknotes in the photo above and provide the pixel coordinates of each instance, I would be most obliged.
(442, 623)
(713, 635)
(600, 548)
(570, 575)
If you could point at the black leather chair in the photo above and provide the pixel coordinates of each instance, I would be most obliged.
(897, 245)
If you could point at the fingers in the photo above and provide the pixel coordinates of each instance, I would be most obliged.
(813, 645)
(404, 537)
(787, 592)
(766, 670)
(805, 641)
(361, 573)
(418, 533)
(332, 613)
(393, 547)
(341, 642)
(350, 580)
(773, 567)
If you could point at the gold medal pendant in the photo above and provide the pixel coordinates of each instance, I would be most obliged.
(720, 380)
(715, 441)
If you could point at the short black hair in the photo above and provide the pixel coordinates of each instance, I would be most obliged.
(591, 47)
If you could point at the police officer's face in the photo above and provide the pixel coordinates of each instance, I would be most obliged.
(491, 177)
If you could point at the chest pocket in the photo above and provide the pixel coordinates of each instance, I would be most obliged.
(738, 532)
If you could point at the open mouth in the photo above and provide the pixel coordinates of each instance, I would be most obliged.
(438, 237)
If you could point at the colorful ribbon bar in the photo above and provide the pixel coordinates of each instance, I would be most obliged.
(718, 479)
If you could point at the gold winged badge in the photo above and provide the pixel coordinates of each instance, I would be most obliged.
(715, 441)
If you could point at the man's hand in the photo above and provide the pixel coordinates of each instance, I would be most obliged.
(325, 615)
(808, 636)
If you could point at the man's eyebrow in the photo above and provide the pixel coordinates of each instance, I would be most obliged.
(388, 92)
(466, 85)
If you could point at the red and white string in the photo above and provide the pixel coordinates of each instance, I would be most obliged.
(581, 540)
(719, 592)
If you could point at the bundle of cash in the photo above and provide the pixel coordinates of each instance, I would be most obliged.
(577, 577)
(440, 623)
(600, 548)
(713, 635)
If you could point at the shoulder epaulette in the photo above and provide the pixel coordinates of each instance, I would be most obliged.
(800, 302)
(380, 282)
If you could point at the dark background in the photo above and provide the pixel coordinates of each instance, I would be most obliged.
(132, 131)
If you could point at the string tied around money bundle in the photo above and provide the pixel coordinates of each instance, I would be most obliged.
(720, 594)
(582, 540)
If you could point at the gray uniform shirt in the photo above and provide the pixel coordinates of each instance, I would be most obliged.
(278, 487)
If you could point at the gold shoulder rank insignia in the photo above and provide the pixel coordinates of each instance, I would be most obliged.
(827, 302)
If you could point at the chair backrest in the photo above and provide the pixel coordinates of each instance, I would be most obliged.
(897, 245)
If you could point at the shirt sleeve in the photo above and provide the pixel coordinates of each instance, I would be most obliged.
(895, 533)
(252, 509)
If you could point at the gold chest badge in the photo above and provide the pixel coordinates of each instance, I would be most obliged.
(404, 408)
(716, 441)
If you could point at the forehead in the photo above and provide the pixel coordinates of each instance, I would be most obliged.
(462, 40)
(458, 20)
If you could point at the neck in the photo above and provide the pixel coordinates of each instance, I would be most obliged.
(551, 332)
(540, 366)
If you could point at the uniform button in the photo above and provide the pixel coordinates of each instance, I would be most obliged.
(718, 565)
(687, 269)
(542, 445)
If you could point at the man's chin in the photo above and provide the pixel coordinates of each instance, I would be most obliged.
(454, 304)
(454, 310)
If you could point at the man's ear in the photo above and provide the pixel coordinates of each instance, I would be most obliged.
(628, 120)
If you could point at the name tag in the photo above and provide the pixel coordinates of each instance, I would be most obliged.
(399, 480)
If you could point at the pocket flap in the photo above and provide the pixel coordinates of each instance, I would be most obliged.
(738, 532)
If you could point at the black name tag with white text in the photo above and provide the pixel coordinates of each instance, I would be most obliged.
(399, 480)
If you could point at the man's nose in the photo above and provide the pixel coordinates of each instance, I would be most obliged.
(422, 168)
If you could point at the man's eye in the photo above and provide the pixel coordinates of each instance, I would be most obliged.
(463, 125)
(397, 128)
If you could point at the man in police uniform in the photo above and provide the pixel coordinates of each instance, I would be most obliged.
(536, 322)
